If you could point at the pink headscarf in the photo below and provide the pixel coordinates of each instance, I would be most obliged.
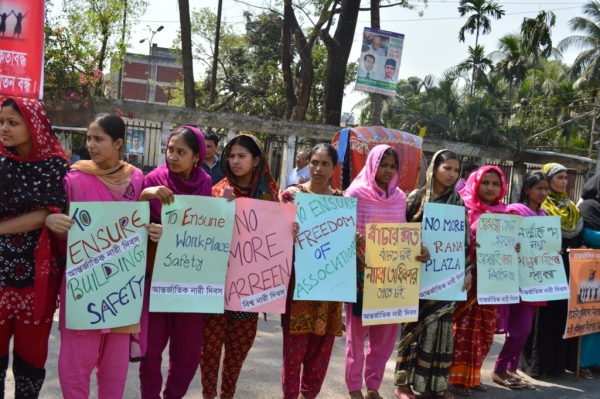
(373, 204)
(475, 208)
(523, 210)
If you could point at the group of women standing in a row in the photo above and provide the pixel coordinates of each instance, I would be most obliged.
(440, 353)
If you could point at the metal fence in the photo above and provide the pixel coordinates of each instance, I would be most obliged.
(143, 144)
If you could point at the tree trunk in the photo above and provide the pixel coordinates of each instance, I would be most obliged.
(473, 75)
(594, 115)
(338, 52)
(286, 64)
(213, 79)
(101, 57)
(186, 54)
(533, 94)
(376, 99)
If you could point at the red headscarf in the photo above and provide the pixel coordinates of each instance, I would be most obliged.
(45, 142)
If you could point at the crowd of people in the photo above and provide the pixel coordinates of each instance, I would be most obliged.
(440, 354)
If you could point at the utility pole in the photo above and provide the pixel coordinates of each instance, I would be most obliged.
(119, 88)
(213, 81)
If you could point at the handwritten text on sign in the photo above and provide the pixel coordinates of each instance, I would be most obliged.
(106, 264)
(325, 250)
(541, 271)
(191, 260)
(497, 260)
(391, 293)
(584, 300)
(442, 277)
(260, 256)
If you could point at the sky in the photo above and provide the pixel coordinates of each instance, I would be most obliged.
(431, 41)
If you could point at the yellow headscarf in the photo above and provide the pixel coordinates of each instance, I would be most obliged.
(560, 205)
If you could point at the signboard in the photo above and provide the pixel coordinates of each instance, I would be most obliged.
(379, 63)
(22, 48)
(391, 291)
(325, 249)
(106, 264)
(191, 259)
(584, 302)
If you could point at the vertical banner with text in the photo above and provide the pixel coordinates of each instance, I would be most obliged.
(584, 301)
(542, 275)
(191, 259)
(325, 267)
(443, 276)
(497, 259)
(106, 264)
(391, 292)
(260, 256)
(22, 48)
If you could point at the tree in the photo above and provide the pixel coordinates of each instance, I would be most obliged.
(187, 58)
(512, 64)
(478, 63)
(478, 22)
(537, 40)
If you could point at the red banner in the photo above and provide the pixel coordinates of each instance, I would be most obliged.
(22, 48)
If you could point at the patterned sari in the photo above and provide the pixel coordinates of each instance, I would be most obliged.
(425, 350)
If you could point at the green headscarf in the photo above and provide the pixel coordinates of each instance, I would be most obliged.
(559, 204)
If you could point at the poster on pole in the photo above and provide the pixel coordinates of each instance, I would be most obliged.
(391, 289)
(191, 259)
(260, 256)
(584, 300)
(497, 259)
(542, 275)
(443, 275)
(325, 249)
(106, 264)
(22, 48)
(379, 63)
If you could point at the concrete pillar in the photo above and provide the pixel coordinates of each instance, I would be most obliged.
(165, 131)
(287, 161)
(519, 170)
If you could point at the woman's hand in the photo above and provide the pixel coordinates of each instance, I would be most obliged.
(59, 224)
(359, 240)
(476, 244)
(161, 193)
(361, 262)
(231, 197)
(518, 247)
(425, 255)
(154, 231)
(467, 284)
(295, 230)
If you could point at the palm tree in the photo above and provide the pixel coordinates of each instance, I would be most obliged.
(511, 63)
(478, 21)
(537, 40)
(587, 64)
(478, 63)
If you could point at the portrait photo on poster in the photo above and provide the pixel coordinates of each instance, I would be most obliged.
(136, 139)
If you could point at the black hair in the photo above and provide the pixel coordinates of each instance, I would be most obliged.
(388, 152)
(112, 125)
(136, 137)
(369, 55)
(189, 137)
(328, 148)
(469, 167)
(532, 178)
(212, 137)
(443, 157)
(248, 143)
(84, 153)
(9, 102)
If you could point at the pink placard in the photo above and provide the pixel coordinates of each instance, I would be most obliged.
(260, 256)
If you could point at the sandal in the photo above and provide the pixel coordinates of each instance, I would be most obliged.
(403, 395)
(459, 390)
(527, 384)
(356, 395)
(480, 388)
(586, 373)
(510, 383)
(373, 394)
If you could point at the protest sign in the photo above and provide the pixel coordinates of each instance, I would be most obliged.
(106, 264)
(584, 300)
(191, 260)
(541, 270)
(442, 277)
(497, 259)
(325, 249)
(379, 63)
(391, 289)
(22, 48)
(260, 256)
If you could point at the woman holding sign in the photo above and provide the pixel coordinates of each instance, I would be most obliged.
(32, 166)
(309, 327)
(515, 320)
(546, 352)
(247, 175)
(474, 324)
(181, 174)
(104, 178)
(425, 350)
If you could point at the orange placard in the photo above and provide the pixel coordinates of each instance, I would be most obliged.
(584, 303)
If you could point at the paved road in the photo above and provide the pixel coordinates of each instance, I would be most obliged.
(261, 375)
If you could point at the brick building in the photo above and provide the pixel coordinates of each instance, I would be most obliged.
(165, 71)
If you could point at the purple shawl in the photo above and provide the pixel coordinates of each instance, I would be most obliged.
(198, 184)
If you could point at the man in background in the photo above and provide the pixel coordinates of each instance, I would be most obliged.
(469, 168)
(211, 160)
(390, 70)
(300, 173)
(366, 70)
